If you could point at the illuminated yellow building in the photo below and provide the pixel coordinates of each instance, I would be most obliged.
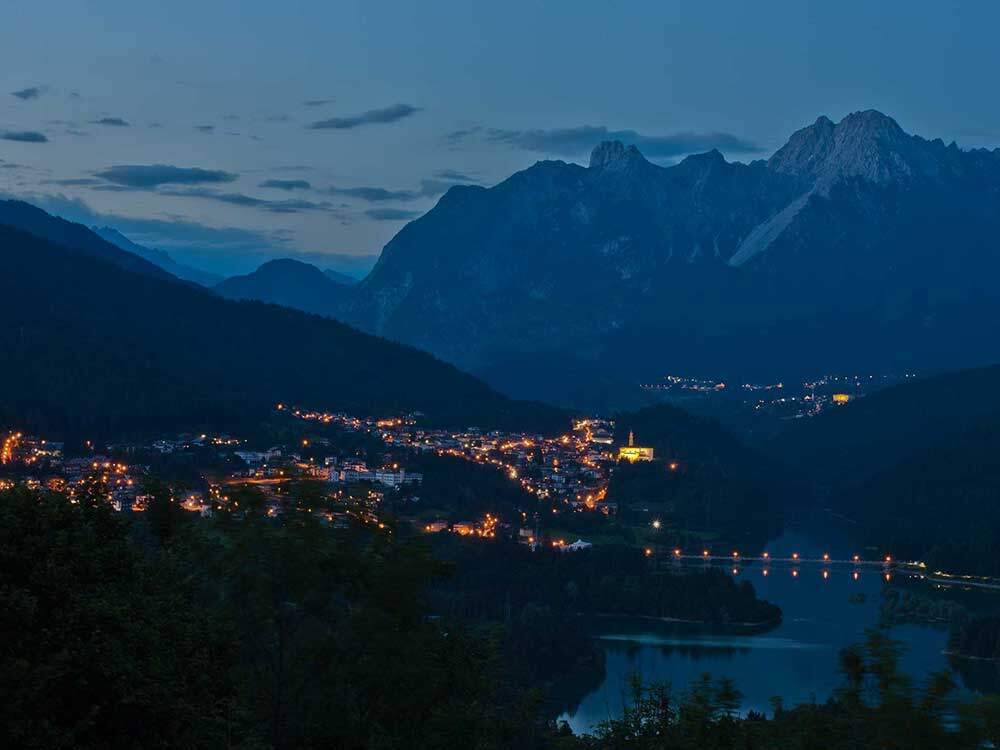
(633, 452)
(841, 398)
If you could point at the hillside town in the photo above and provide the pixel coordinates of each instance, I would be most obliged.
(323, 475)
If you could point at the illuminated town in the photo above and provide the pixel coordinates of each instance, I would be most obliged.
(568, 473)
(780, 400)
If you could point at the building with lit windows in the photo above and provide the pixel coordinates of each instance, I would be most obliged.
(633, 452)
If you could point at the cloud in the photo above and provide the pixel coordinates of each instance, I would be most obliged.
(249, 201)
(429, 188)
(74, 182)
(374, 194)
(317, 102)
(286, 184)
(113, 122)
(141, 176)
(23, 136)
(457, 137)
(206, 128)
(382, 116)
(580, 140)
(391, 214)
(32, 92)
(452, 175)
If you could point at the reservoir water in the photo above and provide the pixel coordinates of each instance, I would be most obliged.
(798, 660)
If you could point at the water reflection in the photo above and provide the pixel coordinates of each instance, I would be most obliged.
(825, 608)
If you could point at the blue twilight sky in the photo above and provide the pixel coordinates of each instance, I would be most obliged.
(228, 132)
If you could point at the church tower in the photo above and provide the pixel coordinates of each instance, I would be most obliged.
(633, 452)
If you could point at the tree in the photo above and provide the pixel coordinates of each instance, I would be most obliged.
(101, 647)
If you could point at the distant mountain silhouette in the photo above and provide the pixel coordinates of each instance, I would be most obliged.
(159, 257)
(340, 278)
(89, 348)
(852, 442)
(31, 219)
(287, 282)
(854, 245)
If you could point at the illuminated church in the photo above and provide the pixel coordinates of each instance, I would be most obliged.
(633, 452)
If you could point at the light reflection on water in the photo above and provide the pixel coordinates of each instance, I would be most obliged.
(714, 642)
(798, 660)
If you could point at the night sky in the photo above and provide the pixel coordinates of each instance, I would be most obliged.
(230, 132)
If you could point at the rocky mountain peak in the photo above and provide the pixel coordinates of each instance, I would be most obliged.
(615, 155)
(865, 144)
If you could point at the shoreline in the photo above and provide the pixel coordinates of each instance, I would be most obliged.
(683, 621)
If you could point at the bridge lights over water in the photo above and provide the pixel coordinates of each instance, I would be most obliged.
(795, 561)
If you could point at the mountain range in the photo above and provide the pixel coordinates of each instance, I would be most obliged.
(855, 245)
(160, 257)
(98, 341)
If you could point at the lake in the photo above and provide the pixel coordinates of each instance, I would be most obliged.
(798, 660)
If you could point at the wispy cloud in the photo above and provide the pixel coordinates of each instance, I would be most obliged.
(374, 194)
(381, 116)
(249, 201)
(32, 92)
(580, 140)
(286, 184)
(458, 137)
(74, 182)
(391, 214)
(145, 176)
(440, 183)
(206, 128)
(452, 175)
(113, 122)
(317, 102)
(23, 136)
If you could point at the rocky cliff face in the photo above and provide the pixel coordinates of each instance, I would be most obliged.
(851, 235)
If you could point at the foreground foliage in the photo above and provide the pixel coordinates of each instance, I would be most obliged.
(161, 630)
